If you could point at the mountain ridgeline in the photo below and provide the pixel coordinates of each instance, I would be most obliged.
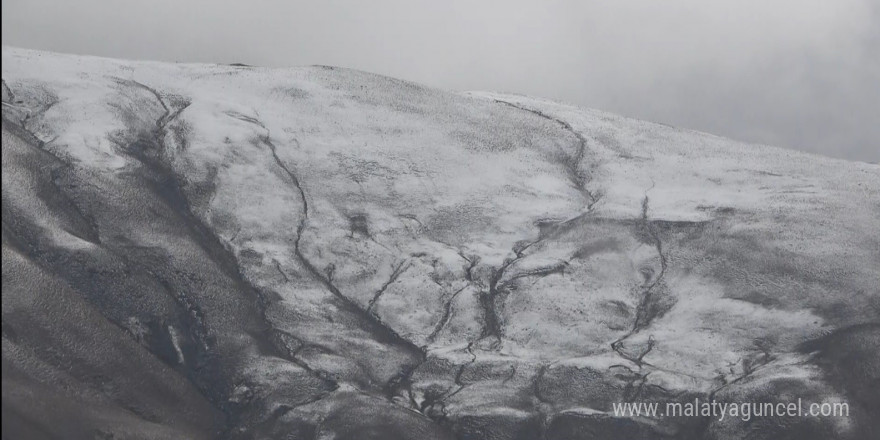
(228, 251)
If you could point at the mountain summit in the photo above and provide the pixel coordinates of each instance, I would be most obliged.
(204, 251)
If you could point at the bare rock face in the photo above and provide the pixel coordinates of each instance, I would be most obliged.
(203, 251)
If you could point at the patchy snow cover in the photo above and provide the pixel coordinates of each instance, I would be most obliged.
(320, 250)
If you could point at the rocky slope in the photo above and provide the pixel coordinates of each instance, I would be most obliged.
(206, 251)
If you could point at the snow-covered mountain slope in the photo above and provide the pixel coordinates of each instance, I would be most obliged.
(194, 251)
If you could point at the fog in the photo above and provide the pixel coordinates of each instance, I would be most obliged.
(801, 74)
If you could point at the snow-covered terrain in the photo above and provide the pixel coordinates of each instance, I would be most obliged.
(203, 251)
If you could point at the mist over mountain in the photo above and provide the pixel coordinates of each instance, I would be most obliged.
(227, 251)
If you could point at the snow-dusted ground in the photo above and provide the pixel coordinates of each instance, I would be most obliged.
(322, 253)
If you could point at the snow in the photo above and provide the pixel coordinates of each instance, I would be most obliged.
(761, 243)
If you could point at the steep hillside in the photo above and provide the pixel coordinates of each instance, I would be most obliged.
(203, 251)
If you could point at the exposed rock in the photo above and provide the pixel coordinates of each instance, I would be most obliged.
(209, 251)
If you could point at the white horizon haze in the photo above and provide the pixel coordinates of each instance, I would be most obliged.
(801, 74)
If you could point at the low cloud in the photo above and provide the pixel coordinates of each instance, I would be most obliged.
(802, 74)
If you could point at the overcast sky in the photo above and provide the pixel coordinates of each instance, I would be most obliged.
(803, 74)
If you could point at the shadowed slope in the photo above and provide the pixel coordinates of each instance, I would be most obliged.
(325, 253)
